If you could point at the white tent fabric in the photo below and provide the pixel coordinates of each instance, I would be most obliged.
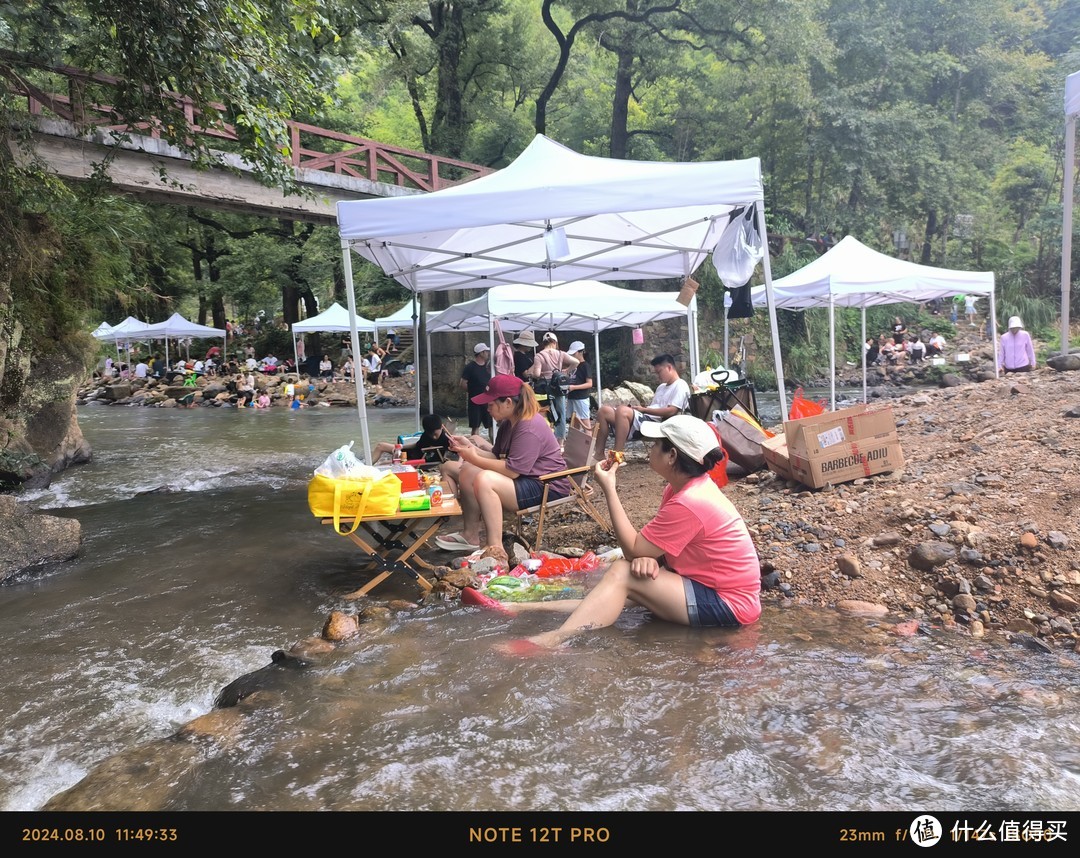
(587, 305)
(101, 330)
(400, 317)
(334, 318)
(853, 275)
(177, 327)
(1072, 110)
(556, 215)
(128, 329)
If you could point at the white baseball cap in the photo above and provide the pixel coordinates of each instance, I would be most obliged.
(576, 346)
(689, 434)
(480, 347)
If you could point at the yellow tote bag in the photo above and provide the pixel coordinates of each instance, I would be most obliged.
(328, 497)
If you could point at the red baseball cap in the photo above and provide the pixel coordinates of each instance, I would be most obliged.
(500, 387)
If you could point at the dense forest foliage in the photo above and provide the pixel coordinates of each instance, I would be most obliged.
(930, 130)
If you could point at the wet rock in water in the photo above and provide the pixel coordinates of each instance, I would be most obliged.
(340, 626)
(858, 608)
(929, 555)
(1031, 642)
(271, 677)
(29, 539)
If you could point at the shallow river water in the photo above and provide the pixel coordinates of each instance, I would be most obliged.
(200, 559)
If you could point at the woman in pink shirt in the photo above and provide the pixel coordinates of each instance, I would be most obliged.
(693, 564)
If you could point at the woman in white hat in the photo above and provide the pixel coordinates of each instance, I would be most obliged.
(581, 385)
(711, 575)
(1016, 354)
(551, 359)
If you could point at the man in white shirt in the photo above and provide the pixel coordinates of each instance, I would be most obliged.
(671, 397)
(141, 369)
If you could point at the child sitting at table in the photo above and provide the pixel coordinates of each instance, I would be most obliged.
(432, 445)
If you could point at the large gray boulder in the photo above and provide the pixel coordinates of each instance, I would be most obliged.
(29, 539)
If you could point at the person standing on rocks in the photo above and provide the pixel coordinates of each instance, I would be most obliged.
(1016, 352)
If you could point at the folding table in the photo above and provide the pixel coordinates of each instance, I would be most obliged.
(392, 541)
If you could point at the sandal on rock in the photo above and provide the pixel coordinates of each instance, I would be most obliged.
(455, 542)
(472, 596)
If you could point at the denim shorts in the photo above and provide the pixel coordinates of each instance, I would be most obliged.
(705, 607)
(530, 490)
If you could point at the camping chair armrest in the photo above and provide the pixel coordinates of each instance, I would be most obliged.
(569, 472)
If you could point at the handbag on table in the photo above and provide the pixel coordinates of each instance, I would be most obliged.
(353, 497)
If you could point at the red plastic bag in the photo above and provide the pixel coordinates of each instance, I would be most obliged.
(803, 407)
(557, 567)
(719, 472)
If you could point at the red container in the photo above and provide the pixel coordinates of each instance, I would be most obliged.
(410, 480)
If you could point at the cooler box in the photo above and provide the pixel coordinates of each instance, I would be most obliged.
(409, 476)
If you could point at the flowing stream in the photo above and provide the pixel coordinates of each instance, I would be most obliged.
(200, 559)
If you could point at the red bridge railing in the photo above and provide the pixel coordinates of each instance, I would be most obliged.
(311, 148)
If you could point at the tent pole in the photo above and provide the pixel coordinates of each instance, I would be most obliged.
(354, 336)
(1066, 232)
(727, 352)
(864, 397)
(773, 327)
(415, 357)
(491, 371)
(430, 394)
(296, 354)
(596, 360)
(994, 336)
(832, 350)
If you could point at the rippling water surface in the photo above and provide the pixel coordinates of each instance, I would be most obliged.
(181, 590)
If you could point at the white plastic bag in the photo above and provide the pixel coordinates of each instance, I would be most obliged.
(738, 251)
(343, 463)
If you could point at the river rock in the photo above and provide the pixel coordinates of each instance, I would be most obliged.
(848, 564)
(28, 539)
(1061, 601)
(858, 608)
(930, 555)
(1064, 363)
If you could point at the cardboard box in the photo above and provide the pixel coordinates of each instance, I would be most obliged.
(776, 456)
(840, 446)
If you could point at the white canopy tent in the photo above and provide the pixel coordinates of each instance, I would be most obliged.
(122, 334)
(556, 215)
(1072, 110)
(334, 319)
(399, 318)
(586, 305)
(851, 274)
(177, 327)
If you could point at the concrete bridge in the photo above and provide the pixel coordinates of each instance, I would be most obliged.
(73, 134)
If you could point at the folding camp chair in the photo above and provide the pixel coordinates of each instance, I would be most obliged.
(577, 452)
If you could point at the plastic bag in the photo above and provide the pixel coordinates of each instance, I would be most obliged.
(803, 407)
(738, 251)
(343, 463)
(555, 567)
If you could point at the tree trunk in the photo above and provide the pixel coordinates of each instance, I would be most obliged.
(620, 100)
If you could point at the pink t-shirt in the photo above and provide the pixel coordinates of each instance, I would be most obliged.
(704, 538)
